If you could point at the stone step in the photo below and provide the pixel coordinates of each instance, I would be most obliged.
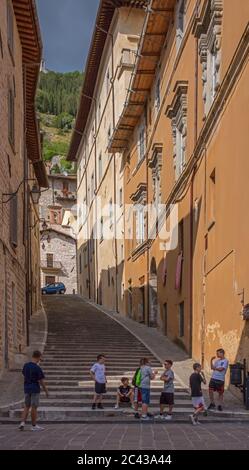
(78, 394)
(85, 370)
(88, 387)
(107, 402)
(61, 413)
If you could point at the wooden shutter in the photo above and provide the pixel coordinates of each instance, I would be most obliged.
(14, 221)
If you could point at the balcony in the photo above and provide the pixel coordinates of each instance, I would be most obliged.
(51, 266)
(65, 196)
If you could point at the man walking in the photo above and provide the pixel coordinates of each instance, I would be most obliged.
(219, 366)
(33, 379)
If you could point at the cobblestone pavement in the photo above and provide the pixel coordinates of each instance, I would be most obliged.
(127, 437)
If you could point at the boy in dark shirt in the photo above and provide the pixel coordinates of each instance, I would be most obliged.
(33, 378)
(124, 393)
(196, 379)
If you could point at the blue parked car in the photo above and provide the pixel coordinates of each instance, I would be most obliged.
(56, 288)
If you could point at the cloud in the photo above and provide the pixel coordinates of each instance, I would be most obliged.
(66, 27)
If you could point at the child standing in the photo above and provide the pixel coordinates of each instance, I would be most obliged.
(147, 374)
(137, 395)
(195, 381)
(33, 379)
(167, 395)
(97, 373)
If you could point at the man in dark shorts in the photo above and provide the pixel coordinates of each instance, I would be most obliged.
(167, 395)
(97, 373)
(33, 378)
(219, 366)
(195, 381)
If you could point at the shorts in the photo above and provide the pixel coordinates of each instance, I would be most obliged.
(145, 396)
(137, 395)
(100, 388)
(198, 402)
(124, 399)
(216, 386)
(32, 400)
(167, 398)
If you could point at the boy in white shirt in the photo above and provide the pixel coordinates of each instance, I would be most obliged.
(97, 373)
(219, 366)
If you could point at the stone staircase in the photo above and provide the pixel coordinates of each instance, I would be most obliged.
(77, 333)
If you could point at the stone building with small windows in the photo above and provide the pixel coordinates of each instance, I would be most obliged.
(58, 214)
(22, 174)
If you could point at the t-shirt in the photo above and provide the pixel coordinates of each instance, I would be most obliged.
(195, 382)
(169, 386)
(124, 390)
(220, 375)
(146, 375)
(32, 375)
(99, 371)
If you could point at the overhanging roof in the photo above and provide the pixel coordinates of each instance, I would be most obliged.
(30, 37)
(150, 48)
(104, 19)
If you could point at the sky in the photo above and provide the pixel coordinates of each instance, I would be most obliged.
(66, 27)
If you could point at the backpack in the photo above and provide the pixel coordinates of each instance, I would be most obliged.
(136, 381)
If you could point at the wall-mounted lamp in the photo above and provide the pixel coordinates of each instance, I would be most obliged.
(35, 192)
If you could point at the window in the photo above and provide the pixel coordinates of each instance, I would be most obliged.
(65, 188)
(212, 182)
(158, 95)
(101, 229)
(92, 187)
(122, 252)
(180, 22)
(108, 277)
(99, 113)
(50, 260)
(181, 320)
(177, 112)
(1, 44)
(111, 213)
(165, 318)
(109, 136)
(208, 29)
(80, 264)
(181, 236)
(140, 224)
(85, 257)
(213, 72)
(11, 117)
(14, 221)
(107, 82)
(10, 27)
(14, 319)
(141, 142)
(100, 168)
(121, 197)
(180, 151)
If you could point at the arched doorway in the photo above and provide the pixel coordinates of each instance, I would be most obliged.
(153, 299)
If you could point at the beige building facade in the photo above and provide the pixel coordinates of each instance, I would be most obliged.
(22, 174)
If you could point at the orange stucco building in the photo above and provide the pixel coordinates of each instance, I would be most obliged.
(182, 137)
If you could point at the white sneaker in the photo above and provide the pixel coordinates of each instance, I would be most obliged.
(192, 418)
(36, 428)
(160, 417)
(21, 427)
(116, 407)
(168, 417)
(145, 418)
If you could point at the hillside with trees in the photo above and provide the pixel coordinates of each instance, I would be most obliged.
(57, 101)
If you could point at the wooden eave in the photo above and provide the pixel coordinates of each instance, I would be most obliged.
(150, 48)
(103, 22)
(30, 37)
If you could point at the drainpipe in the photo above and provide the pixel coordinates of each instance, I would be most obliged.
(147, 222)
(26, 197)
(192, 191)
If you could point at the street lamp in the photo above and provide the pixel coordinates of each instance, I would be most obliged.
(35, 192)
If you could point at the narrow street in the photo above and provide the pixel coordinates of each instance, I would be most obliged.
(77, 333)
